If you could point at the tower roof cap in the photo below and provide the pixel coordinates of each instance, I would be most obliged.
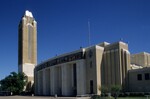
(28, 13)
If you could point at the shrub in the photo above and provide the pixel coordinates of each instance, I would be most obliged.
(99, 97)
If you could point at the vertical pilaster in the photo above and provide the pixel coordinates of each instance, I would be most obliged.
(106, 69)
(35, 82)
(64, 79)
(117, 73)
(52, 78)
(81, 77)
(44, 81)
(40, 82)
(112, 68)
(109, 68)
(120, 67)
(47, 82)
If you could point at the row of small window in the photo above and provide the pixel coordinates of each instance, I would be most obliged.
(146, 76)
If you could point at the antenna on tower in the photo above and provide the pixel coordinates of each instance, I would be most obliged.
(89, 33)
(121, 39)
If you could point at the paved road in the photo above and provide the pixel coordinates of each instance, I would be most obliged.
(38, 97)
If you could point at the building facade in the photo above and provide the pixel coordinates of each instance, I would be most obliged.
(139, 80)
(115, 65)
(141, 59)
(27, 45)
(84, 71)
(139, 76)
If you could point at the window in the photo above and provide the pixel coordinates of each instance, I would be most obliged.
(139, 77)
(75, 79)
(90, 54)
(91, 86)
(147, 76)
(90, 64)
(75, 75)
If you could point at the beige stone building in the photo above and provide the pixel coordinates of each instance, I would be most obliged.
(139, 75)
(115, 65)
(83, 71)
(141, 59)
(139, 80)
(27, 43)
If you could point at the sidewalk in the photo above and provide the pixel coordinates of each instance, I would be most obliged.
(40, 97)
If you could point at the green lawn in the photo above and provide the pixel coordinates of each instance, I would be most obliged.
(133, 98)
(122, 98)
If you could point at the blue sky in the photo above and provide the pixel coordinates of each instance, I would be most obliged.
(63, 26)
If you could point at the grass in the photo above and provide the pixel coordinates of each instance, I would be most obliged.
(133, 98)
(122, 98)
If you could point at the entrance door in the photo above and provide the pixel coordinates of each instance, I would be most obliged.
(75, 79)
(91, 86)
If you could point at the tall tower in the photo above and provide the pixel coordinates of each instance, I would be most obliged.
(27, 48)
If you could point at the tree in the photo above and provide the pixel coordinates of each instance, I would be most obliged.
(104, 90)
(15, 83)
(115, 89)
